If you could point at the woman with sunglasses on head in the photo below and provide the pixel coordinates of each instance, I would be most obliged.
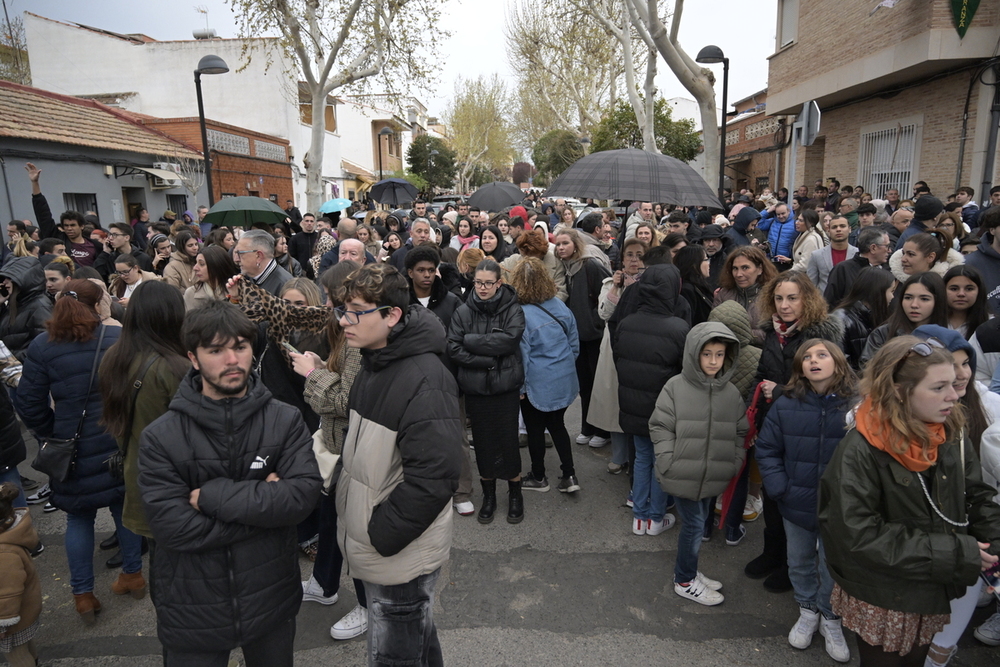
(920, 300)
(906, 520)
(484, 342)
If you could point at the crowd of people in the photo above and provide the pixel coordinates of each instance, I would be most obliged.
(237, 396)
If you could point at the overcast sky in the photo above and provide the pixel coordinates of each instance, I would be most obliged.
(477, 43)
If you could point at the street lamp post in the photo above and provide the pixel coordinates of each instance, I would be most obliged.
(384, 132)
(207, 65)
(711, 55)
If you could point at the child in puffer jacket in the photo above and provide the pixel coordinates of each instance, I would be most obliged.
(20, 590)
(799, 435)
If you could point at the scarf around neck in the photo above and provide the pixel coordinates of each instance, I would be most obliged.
(877, 430)
(784, 329)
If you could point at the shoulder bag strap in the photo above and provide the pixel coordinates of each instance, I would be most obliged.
(90, 382)
(137, 385)
(558, 321)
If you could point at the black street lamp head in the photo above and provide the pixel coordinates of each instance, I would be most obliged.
(710, 55)
(212, 65)
(386, 131)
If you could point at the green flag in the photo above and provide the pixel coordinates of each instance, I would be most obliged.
(963, 11)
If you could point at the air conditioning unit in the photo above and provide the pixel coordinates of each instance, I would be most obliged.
(166, 183)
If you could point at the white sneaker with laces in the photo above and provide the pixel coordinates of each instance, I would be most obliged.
(465, 508)
(753, 508)
(598, 441)
(802, 632)
(313, 592)
(836, 645)
(657, 527)
(353, 625)
(583, 439)
(711, 583)
(696, 591)
(989, 632)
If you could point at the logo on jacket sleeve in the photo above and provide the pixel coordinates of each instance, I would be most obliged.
(259, 463)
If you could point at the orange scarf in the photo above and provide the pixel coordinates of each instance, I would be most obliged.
(875, 430)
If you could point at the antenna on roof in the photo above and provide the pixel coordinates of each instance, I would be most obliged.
(207, 33)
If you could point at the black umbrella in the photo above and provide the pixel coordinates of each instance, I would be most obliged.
(496, 196)
(635, 175)
(393, 191)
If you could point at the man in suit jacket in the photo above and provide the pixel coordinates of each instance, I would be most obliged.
(821, 262)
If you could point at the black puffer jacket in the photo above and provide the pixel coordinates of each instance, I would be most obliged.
(12, 450)
(484, 341)
(776, 361)
(33, 307)
(650, 347)
(857, 321)
(227, 574)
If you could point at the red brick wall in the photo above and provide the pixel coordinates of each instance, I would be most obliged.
(232, 173)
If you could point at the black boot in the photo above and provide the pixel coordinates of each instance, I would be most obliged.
(489, 501)
(515, 502)
(110, 543)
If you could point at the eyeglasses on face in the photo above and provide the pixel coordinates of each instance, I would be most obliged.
(244, 252)
(354, 316)
(125, 272)
(487, 284)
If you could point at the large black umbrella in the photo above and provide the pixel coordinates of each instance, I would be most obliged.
(244, 212)
(393, 191)
(496, 196)
(635, 175)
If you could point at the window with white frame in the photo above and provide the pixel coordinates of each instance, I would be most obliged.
(887, 155)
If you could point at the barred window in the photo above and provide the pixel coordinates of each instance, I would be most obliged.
(887, 156)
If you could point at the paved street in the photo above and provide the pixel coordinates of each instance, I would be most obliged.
(570, 585)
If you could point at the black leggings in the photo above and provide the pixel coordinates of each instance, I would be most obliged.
(874, 656)
(535, 423)
(586, 371)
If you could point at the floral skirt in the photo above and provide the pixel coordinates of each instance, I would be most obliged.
(895, 631)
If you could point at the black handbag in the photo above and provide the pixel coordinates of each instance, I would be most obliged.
(116, 462)
(56, 456)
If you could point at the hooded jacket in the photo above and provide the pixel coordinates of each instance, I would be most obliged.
(735, 318)
(61, 371)
(402, 457)
(33, 307)
(794, 445)
(741, 224)
(179, 272)
(649, 347)
(484, 342)
(20, 589)
(699, 423)
(986, 260)
(229, 573)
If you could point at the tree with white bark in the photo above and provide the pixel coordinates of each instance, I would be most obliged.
(479, 131)
(337, 44)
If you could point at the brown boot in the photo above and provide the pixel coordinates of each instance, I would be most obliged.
(87, 606)
(130, 583)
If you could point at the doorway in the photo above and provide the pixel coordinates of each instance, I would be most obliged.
(135, 200)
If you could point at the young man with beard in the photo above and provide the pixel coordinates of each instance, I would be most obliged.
(822, 261)
(225, 476)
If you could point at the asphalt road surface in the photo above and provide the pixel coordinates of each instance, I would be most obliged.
(570, 585)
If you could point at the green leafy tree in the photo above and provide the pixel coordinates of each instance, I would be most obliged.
(431, 159)
(619, 129)
(415, 180)
(555, 151)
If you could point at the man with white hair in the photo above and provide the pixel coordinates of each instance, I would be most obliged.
(255, 251)
(353, 250)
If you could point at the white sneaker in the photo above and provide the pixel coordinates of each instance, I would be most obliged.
(986, 596)
(753, 508)
(313, 592)
(353, 625)
(710, 583)
(989, 632)
(598, 441)
(583, 439)
(697, 591)
(639, 526)
(802, 632)
(465, 509)
(836, 645)
(657, 527)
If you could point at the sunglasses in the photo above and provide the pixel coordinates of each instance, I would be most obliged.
(924, 349)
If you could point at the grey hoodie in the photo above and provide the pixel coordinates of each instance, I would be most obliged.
(699, 423)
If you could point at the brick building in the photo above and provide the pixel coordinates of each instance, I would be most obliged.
(754, 143)
(893, 85)
(244, 162)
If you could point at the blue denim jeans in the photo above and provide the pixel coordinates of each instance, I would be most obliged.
(807, 569)
(401, 623)
(619, 448)
(648, 499)
(80, 548)
(11, 474)
(693, 514)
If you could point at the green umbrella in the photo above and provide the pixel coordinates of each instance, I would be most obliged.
(244, 212)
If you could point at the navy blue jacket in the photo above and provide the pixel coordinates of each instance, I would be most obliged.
(796, 442)
(63, 370)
